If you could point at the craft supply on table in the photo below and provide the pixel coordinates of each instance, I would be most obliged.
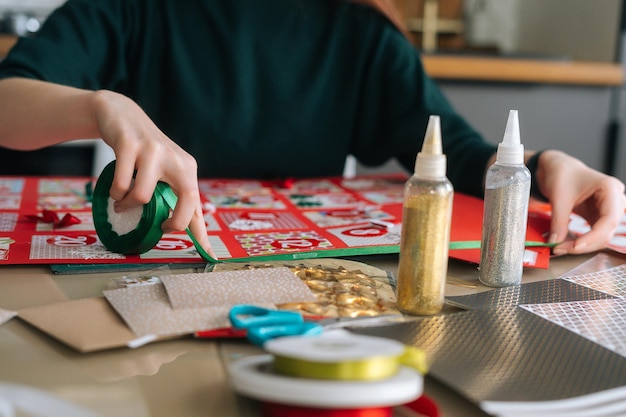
(426, 222)
(94, 324)
(343, 288)
(136, 230)
(334, 374)
(341, 355)
(507, 193)
(133, 231)
(6, 315)
(254, 377)
(185, 303)
(53, 218)
(263, 324)
(545, 348)
(422, 407)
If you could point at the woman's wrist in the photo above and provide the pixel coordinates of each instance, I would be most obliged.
(533, 166)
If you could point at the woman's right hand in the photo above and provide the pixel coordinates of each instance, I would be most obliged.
(35, 114)
(144, 156)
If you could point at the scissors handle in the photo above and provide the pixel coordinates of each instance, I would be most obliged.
(262, 324)
(245, 316)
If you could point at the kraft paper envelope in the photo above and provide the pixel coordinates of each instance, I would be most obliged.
(92, 324)
(87, 324)
(186, 303)
(263, 285)
(147, 310)
(26, 290)
(6, 315)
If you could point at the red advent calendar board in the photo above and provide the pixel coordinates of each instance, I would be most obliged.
(47, 220)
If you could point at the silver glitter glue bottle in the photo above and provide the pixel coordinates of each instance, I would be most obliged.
(507, 191)
(425, 236)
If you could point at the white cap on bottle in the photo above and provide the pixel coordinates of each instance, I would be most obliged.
(511, 150)
(431, 162)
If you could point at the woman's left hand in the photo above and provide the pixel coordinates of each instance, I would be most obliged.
(573, 187)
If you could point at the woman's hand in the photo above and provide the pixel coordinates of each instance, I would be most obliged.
(573, 187)
(37, 114)
(143, 151)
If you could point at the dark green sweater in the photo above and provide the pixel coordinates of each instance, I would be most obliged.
(258, 88)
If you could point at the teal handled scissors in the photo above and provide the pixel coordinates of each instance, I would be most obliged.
(262, 324)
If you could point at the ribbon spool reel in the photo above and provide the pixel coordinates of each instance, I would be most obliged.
(341, 355)
(143, 237)
(356, 376)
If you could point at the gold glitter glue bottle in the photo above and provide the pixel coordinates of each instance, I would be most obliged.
(425, 238)
(507, 190)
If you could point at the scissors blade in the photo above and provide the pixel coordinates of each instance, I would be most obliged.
(261, 334)
(356, 322)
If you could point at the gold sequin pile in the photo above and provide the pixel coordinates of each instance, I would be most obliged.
(340, 292)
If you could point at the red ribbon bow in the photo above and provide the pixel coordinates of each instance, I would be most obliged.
(49, 216)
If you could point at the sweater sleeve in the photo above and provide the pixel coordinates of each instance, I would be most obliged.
(81, 44)
(399, 99)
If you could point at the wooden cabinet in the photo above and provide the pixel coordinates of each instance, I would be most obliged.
(433, 24)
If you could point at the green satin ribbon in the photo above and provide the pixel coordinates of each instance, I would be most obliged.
(371, 369)
(148, 232)
(166, 194)
(475, 244)
(141, 239)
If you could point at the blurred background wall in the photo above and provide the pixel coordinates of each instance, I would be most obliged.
(584, 120)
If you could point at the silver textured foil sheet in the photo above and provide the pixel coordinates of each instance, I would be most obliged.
(510, 359)
(552, 291)
(509, 354)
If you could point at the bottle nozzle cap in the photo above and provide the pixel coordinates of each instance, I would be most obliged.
(510, 150)
(431, 162)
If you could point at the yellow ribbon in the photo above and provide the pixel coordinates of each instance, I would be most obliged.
(371, 369)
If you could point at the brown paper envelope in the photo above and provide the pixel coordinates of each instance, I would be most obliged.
(87, 324)
(6, 315)
(212, 289)
(147, 311)
(20, 290)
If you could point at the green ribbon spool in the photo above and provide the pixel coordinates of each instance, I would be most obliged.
(148, 231)
(141, 239)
